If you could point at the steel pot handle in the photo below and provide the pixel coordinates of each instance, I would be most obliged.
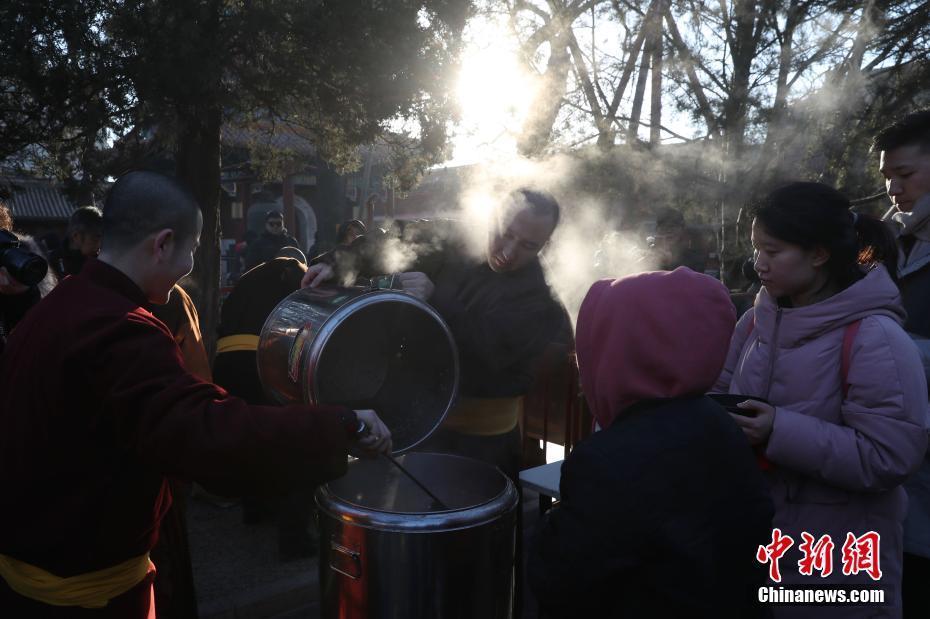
(354, 560)
(384, 282)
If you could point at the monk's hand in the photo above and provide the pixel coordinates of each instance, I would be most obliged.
(758, 426)
(316, 275)
(376, 439)
(417, 284)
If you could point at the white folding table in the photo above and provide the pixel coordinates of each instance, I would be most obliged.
(544, 480)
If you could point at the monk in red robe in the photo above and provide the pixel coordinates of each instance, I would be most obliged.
(97, 410)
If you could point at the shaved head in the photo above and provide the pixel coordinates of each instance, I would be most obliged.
(142, 203)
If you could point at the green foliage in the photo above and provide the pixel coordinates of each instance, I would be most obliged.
(80, 77)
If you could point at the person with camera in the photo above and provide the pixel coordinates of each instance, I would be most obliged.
(21, 270)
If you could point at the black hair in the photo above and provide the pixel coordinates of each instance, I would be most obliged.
(815, 215)
(273, 214)
(912, 129)
(141, 203)
(86, 219)
(343, 230)
(541, 203)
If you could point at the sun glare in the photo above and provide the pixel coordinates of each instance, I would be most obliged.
(494, 93)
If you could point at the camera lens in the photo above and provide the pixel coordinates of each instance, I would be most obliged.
(24, 266)
(32, 271)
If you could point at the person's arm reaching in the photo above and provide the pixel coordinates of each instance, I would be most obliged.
(187, 428)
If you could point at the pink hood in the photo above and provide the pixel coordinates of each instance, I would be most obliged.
(652, 335)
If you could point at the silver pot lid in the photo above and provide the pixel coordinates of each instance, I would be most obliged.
(381, 350)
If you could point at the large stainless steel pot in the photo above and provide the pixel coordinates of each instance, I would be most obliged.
(387, 553)
(379, 349)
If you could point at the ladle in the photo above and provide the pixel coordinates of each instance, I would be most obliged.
(436, 501)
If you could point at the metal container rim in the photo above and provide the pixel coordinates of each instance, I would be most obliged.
(367, 299)
(418, 522)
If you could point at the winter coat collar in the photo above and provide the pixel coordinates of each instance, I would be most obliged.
(916, 223)
(874, 294)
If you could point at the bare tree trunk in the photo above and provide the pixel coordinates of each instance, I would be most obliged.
(689, 60)
(652, 26)
(655, 109)
(849, 84)
(632, 132)
(198, 165)
(588, 87)
(743, 42)
(785, 55)
(537, 128)
(620, 90)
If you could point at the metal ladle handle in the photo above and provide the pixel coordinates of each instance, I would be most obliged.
(435, 498)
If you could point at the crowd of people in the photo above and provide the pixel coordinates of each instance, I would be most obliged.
(722, 440)
(827, 386)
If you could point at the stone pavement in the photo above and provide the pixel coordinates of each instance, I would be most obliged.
(236, 569)
(238, 576)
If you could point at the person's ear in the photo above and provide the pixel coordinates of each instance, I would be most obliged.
(163, 243)
(820, 256)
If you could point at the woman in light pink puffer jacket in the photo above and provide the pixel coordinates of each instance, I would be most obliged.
(837, 441)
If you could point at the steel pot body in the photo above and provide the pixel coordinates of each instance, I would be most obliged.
(386, 552)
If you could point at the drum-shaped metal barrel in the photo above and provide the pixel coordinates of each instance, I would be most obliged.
(367, 349)
(388, 552)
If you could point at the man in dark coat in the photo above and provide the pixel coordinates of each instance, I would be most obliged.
(98, 411)
(497, 304)
(662, 511)
(904, 149)
(242, 316)
(84, 234)
(672, 243)
(272, 239)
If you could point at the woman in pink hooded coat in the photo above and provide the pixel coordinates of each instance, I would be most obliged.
(846, 424)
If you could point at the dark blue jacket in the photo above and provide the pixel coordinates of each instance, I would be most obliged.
(661, 515)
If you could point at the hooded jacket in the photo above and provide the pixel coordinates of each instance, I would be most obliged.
(839, 462)
(662, 511)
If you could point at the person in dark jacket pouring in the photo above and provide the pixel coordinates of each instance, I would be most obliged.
(497, 304)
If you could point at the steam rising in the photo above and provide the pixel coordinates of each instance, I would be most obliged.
(585, 247)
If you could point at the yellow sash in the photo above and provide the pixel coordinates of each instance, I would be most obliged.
(485, 416)
(233, 343)
(90, 590)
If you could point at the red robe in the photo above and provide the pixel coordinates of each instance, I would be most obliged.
(96, 409)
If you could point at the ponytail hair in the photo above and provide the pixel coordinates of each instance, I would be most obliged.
(877, 244)
(815, 215)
